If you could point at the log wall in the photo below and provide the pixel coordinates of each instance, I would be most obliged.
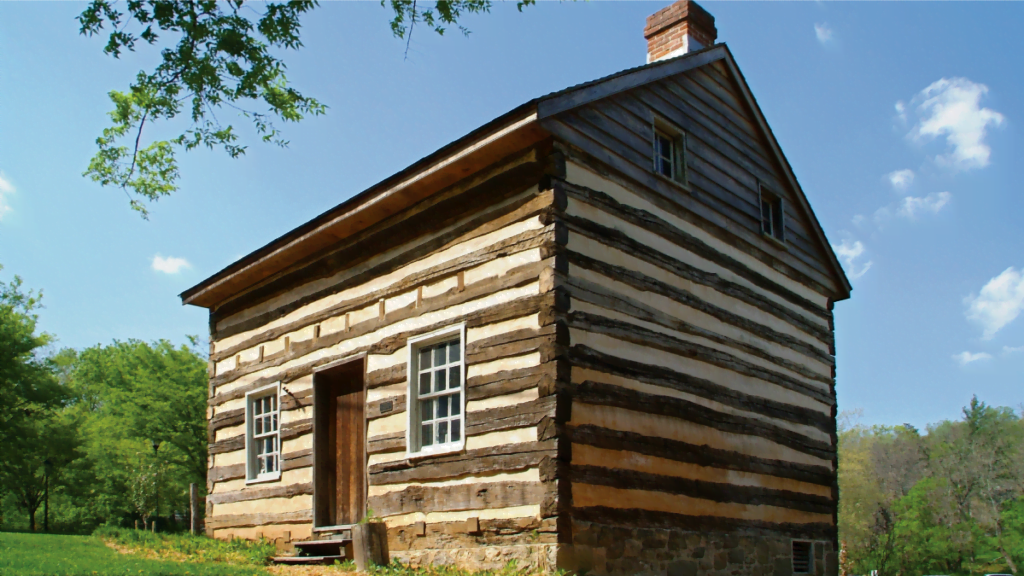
(700, 353)
(474, 254)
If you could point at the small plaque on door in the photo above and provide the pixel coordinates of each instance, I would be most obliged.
(386, 407)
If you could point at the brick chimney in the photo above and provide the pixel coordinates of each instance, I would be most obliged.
(682, 27)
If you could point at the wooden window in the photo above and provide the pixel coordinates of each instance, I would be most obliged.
(773, 222)
(263, 434)
(803, 557)
(670, 152)
(437, 414)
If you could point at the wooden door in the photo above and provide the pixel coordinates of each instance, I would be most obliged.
(340, 444)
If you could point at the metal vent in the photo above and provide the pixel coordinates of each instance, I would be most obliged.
(803, 557)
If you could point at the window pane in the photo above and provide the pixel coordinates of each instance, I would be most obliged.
(439, 380)
(425, 383)
(258, 426)
(270, 445)
(424, 358)
(442, 432)
(442, 407)
(766, 216)
(777, 226)
(454, 377)
(266, 404)
(427, 434)
(439, 355)
(262, 467)
(273, 423)
(456, 430)
(454, 351)
(426, 410)
(273, 402)
(456, 400)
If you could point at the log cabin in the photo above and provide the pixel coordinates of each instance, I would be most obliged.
(595, 333)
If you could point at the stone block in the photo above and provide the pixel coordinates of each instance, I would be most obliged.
(682, 568)
(698, 552)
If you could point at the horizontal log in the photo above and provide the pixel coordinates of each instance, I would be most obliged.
(258, 519)
(480, 496)
(490, 201)
(586, 357)
(504, 458)
(638, 518)
(613, 238)
(290, 461)
(594, 293)
(508, 381)
(717, 492)
(288, 431)
(289, 401)
(514, 277)
(602, 394)
(514, 309)
(686, 298)
(699, 454)
(510, 417)
(642, 336)
(247, 494)
(384, 443)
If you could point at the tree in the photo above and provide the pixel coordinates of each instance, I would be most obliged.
(218, 55)
(138, 396)
(27, 385)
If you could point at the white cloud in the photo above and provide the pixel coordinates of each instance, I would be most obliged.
(849, 253)
(950, 107)
(823, 32)
(911, 207)
(965, 358)
(999, 302)
(901, 179)
(1007, 350)
(6, 188)
(169, 265)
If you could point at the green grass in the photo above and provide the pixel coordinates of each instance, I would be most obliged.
(53, 555)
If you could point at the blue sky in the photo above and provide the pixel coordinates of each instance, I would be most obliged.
(900, 120)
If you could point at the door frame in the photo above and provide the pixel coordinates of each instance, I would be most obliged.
(318, 374)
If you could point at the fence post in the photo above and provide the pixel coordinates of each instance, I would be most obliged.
(193, 506)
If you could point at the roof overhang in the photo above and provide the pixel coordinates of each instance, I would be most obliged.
(513, 131)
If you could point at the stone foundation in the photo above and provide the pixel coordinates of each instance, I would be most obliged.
(539, 556)
(612, 550)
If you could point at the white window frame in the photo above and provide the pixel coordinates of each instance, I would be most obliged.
(414, 448)
(251, 474)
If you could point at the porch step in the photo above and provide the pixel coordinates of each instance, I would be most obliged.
(301, 560)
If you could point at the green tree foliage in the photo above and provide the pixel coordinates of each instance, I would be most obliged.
(946, 502)
(215, 55)
(105, 434)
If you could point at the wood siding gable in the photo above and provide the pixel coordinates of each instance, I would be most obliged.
(732, 153)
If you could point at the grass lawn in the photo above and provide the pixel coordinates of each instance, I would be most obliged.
(54, 555)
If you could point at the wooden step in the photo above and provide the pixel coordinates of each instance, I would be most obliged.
(335, 541)
(300, 560)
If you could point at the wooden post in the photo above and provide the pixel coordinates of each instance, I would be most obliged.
(136, 524)
(193, 507)
(361, 546)
(153, 526)
(370, 545)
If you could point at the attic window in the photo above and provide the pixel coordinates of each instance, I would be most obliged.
(803, 557)
(669, 148)
(773, 223)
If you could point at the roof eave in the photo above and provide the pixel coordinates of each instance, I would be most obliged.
(502, 136)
